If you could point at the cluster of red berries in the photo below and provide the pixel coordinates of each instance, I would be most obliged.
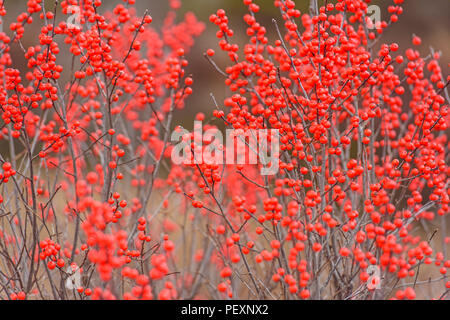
(361, 161)
(363, 176)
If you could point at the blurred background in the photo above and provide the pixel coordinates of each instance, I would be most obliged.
(428, 19)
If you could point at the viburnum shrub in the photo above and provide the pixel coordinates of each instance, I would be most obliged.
(94, 207)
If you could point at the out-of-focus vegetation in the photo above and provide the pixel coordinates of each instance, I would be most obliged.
(427, 19)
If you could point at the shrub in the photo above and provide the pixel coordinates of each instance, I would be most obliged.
(93, 207)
